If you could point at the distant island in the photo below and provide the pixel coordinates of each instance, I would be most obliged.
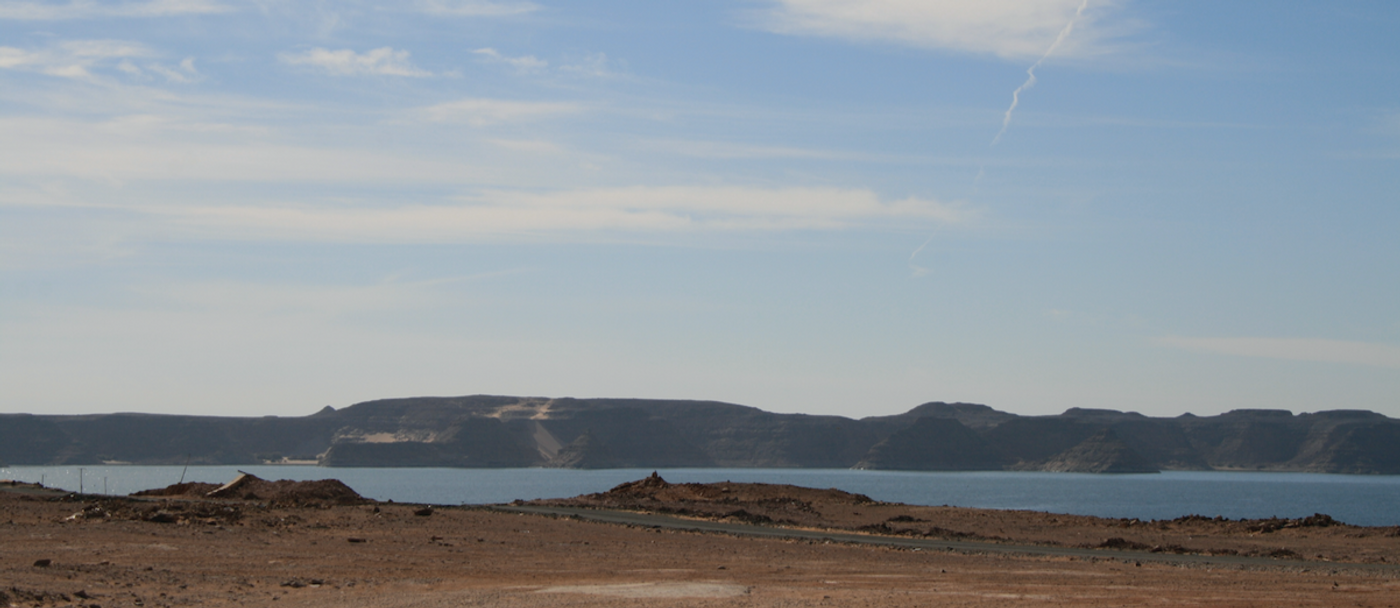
(501, 431)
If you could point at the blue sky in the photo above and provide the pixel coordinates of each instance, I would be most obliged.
(823, 206)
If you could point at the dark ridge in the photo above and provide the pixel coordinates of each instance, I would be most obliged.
(506, 431)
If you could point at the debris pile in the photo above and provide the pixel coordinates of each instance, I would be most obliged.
(281, 493)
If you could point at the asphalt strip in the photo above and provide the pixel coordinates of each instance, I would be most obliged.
(927, 544)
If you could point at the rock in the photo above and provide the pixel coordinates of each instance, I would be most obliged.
(162, 517)
(43, 563)
(1104, 452)
(934, 444)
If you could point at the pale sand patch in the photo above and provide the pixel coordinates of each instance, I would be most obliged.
(654, 590)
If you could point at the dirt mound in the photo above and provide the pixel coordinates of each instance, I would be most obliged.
(756, 503)
(284, 492)
(641, 487)
(654, 488)
(191, 489)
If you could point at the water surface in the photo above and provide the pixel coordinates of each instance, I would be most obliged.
(1357, 499)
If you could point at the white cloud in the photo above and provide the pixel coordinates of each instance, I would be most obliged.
(185, 73)
(483, 112)
(160, 148)
(85, 9)
(613, 210)
(475, 8)
(1014, 29)
(129, 68)
(382, 61)
(528, 146)
(524, 63)
(735, 150)
(596, 65)
(1293, 349)
(72, 59)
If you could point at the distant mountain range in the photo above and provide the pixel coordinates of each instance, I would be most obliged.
(497, 431)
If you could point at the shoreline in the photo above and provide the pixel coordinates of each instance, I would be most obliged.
(319, 544)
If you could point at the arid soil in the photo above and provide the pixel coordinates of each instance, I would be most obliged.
(326, 548)
(1318, 537)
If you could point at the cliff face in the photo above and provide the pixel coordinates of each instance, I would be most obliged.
(1103, 452)
(934, 444)
(497, 431)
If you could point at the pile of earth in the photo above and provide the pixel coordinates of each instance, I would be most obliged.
(192, 489)
(748, 502)
(281, 493)
(214, 504)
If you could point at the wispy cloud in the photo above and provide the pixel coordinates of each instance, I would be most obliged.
(184, 73)
(1293, 349)
(1012, 29)
(475, 8)
(483, 112)
(506, 214)
(383, 61)
(161, 148)
(301, 298)
(72, 59)
(740, 150)
(595, 65)
(85, 9)
(528, 146)
(524, 63)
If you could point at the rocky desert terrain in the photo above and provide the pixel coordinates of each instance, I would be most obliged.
(264, 543)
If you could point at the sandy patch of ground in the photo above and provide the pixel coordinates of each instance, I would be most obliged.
(394, 555)
(1318, 537)
(654, 590)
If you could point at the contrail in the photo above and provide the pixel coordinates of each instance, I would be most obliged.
(1006, 120)
(1030, 73)
(920, 270)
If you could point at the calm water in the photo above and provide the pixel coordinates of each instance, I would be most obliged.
(1362, 500)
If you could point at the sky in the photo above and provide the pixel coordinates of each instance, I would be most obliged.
(851, 207)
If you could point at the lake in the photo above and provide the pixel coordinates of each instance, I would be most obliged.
(1355, 499)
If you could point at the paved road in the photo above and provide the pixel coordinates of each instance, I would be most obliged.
(928, 544)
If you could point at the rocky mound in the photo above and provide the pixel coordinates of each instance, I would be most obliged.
(654, 488)
(748, 502)
(284, 492)
(192, 489)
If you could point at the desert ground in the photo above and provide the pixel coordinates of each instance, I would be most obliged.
(319, 544)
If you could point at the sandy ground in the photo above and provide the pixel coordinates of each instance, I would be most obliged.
(1312, 538)
(176, 552)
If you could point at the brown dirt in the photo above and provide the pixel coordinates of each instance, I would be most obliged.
(1318, 537)
(193, 489)
(322, 492)
(104, 552)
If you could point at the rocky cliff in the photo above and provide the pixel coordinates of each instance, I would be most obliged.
(499, 431)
